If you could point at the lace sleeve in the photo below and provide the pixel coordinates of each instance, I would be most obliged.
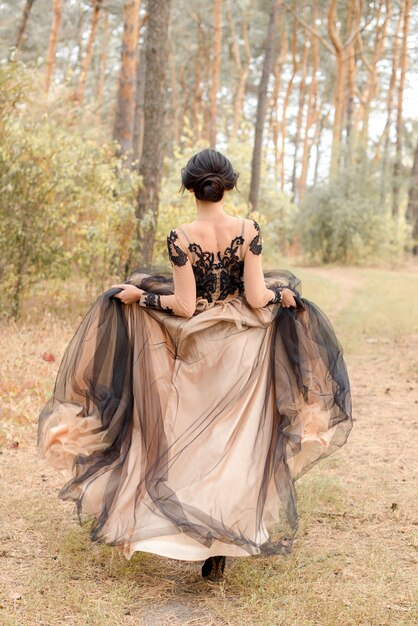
(177, 256)
(256, 292)
(256, 243)
(183, 301)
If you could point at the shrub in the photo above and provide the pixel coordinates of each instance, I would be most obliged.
(66, 202)
(345, 221)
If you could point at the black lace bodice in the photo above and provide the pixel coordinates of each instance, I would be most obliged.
(218, 275)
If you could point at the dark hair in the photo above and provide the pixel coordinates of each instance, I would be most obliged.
(209, 174)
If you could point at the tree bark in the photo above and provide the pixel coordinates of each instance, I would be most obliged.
(53, 38)
(217, 48)
(399, 117)
(22, 26)
(156, 56)
(125, 106)
(269, 53)
(89, 52)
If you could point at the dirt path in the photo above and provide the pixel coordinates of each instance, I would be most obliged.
(347, 282)
(353, 563)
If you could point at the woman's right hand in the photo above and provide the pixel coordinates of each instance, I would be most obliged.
(129, 293)
(288, 298)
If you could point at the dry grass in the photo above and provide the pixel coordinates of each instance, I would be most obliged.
(355, 556)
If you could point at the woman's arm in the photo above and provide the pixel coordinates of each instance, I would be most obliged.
(183, 301)
(256, 292)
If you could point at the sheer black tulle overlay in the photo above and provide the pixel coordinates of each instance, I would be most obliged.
(151, 411)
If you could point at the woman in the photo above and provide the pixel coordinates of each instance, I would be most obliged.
(187, 404)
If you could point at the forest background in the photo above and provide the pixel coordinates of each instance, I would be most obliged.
(102, 103)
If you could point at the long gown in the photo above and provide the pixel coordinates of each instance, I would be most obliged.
(182, 422)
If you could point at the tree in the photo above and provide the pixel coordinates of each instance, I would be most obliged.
(269, 50)
(103, 59)
(217, 48)
(343, 52)
(243, 70)
(156, 57)
(52, 48)
(399, 117)
(125, 107)
(23, 23)
(85, 66)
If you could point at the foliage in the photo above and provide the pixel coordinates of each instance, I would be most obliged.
(66, 202)
(345, 220)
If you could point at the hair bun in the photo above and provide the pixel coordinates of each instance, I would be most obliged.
(210, 188)
(209, 174)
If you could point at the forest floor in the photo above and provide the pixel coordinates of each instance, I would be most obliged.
(354, 562)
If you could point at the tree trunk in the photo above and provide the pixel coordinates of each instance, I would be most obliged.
(399, 117)
(371, 83)
(269, 53)
(243, 70)
(103, 59)
(288, 93)
(217, 48)
(89, 51)
(196, 104)
(317, 142)
(351, 91)
(343, 51)
(154, 109)
(313, 109)
(138, 136)
(275, 124)
(125, 106)
(299, 117)
(198, 117)
(138, 132)
(175, 107)
(385, 139)
(22, 26)
(412, 209)
(53, 38)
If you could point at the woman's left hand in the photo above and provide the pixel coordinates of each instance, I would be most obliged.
(288, 298)
(129, 293)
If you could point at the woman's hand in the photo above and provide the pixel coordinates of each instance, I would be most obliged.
(288, 298)
(129, 293)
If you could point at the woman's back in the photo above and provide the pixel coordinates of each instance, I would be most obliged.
(216, 250)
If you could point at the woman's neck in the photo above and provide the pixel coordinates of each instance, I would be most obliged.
(209, 210)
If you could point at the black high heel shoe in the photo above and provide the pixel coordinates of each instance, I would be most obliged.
(213, 569)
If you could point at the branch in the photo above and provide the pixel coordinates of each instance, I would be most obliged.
(308, 28)
(332, 29)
